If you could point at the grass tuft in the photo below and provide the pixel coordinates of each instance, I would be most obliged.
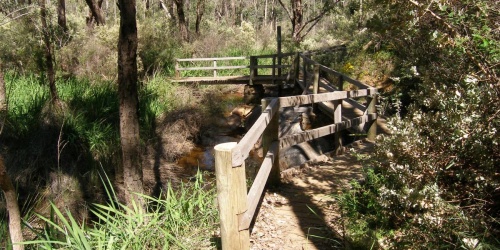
(180, 219)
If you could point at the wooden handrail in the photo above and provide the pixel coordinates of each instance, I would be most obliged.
(211, 59)
(292, 101)
(312, 134)
(257, 188)
(241, 152)
(212, 68)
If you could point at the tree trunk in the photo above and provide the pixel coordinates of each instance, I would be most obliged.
(96, 13)
(297, 20)
(183, 25)
(129, 175)
(3, 100)
(170, 7)
(61, 15)
(265, 14)
(301, 28)
(165, 9)
(9, 192)
(200, 9)
(49, 59)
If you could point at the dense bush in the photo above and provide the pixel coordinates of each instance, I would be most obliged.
(435, 182)
(180, 219)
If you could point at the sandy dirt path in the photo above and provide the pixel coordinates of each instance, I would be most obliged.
(303, 213)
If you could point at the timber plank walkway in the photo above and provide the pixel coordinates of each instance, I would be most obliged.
(303, 213)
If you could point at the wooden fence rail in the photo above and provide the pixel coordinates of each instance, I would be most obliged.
(238, 63)
(237, 207)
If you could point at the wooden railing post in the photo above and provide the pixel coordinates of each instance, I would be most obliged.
(316, 79)
(315, 83)
(278, 39)
(215, 66)
(304, 72)
(270, 135)
(177, 72)
(253, 69)
(341, 83)
(337, 117)
(232, 198)
(273, 70)
(372, 108)
(296, 67)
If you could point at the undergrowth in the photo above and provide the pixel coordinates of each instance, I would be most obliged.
(180, 219)
(57, 154)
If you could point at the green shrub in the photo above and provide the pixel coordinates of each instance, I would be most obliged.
(180, 219)
(440, 184)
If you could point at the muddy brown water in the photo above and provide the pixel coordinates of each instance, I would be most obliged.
(229, 128)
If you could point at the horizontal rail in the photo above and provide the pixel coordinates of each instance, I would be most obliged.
(274, 55)
(344, 77)
(271, 66)
(258, 185)
(211, 59)
(334, 72)
(350, 101)
(324, 97)
(212, 68)
(242, 150)
(322, 51)
(312, 134)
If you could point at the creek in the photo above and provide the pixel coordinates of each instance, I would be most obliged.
(230, 127)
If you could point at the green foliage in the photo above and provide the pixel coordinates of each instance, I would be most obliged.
(179, 219)
(436, 179)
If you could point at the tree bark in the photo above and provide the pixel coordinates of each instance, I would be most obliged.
(297, 19)
(49, 58)
(96, 13)
(129, 175)
(181, 16)
(61, 15)
(3, 100)
(9, 192)
(200, 10)
(165, 9)
(296, 16)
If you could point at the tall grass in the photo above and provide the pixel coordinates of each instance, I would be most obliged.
(185, 218)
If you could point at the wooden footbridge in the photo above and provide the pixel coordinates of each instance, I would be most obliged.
(350, 104)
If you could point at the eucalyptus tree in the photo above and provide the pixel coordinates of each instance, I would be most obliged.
(49, 53)
(301, 25)
(129, 174)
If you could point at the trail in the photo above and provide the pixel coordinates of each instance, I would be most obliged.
(303, 212)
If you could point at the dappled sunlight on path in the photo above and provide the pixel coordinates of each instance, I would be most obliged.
(303, 212)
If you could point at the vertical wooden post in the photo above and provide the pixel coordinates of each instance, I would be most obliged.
(316, 79)
(270, 135)
(215, 66)
(304, 76)
(372, 131)
(296, 67)
(315, 83)
(273, 70)
(341, 83)
(177, 72)
(278, 39)
(232, 198)
(337, 117)
(253, 69)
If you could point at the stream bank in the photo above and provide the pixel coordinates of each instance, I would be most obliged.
(240, 114)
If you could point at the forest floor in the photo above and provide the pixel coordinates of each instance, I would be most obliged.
(303, 212)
